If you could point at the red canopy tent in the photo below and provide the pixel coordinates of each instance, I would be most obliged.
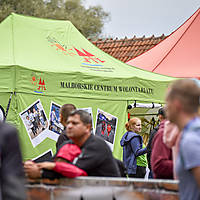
(178, 55)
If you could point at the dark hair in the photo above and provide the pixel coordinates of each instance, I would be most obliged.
(85, 117)
(66, 109)
(188, 93)
(161, 111)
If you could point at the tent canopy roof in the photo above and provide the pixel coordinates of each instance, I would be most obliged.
(177, 55)
(57, 46)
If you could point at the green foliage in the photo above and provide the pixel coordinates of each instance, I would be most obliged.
(89, 21)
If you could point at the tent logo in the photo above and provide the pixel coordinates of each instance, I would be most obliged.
(63, 50)
(39, 84)
(89, 59)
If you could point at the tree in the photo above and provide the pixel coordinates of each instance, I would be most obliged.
(89, 21)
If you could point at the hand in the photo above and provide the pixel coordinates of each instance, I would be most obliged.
(46, 165)
(32, 170)
(28, 163)
(170, 134)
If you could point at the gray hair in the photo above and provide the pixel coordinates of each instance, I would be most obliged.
(85, 117)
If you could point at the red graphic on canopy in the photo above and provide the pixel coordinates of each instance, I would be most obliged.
(34, 81)
(80, 53)
(87, 53)
(88, 57)
(63, 50)
(41, 85)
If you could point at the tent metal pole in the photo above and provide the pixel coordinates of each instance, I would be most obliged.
(143, 114)
(8, 106)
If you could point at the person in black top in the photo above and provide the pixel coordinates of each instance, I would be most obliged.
(95, 156)
(11, 169)
(64, 113)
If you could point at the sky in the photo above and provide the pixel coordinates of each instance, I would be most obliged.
(144, 17)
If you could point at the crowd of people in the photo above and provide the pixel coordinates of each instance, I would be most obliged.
(172, 151)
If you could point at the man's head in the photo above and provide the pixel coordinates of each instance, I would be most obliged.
(182, 99)
(161, 114)
(65, 110)
(78, 126)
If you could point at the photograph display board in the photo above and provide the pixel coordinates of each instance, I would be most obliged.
(106, 126)
(89, 110)
(37, 125)
(54, 119)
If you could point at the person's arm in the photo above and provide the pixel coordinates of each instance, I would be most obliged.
(66, 169)
(46, 165)
(33, 170)
(63, 160)
(140, 152)
(136, 147)
(161, 158)
(196, 174)
(93, 154)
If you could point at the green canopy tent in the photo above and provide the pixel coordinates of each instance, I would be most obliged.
(47, 63)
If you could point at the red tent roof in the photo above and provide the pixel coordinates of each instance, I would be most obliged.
(178, 55)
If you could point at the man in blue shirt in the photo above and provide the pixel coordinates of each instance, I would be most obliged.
(182, 104)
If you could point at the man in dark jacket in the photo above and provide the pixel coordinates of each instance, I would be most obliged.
(161, 117)
(11, 170)
(95, 158)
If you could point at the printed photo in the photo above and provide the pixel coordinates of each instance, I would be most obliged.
(35, 121)
(89, 110)
(46, 156)
(2, 114)
(54, 119)
(106, 126)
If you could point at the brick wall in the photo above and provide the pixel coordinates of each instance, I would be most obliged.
(98, 188)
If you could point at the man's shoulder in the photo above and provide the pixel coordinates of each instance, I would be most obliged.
(96, 139)
(63, 136)
(97, 143)
(192, 132)
(193, 125)
(192, 137)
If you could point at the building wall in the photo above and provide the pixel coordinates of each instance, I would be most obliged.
(102, 188)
